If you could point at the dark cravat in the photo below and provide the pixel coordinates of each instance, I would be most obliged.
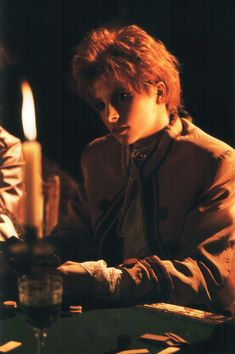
(131, 220)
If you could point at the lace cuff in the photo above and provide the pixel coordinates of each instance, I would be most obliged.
(106, 279)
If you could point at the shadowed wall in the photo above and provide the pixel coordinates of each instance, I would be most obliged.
(40, 36)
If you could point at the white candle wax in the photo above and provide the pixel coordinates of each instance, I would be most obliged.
(33, 213)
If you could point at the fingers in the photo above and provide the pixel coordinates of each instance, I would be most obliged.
(66, 269)
(73, 269)
(76, 280)
(70, 263)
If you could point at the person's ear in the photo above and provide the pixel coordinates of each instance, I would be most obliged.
(161, 92)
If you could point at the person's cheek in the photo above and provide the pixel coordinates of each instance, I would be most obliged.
(101, 117)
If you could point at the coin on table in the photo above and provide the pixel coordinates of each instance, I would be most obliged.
(75, 308)
(10, 304)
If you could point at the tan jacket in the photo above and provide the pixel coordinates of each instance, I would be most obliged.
(189, 203)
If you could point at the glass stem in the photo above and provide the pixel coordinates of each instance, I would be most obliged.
(40, 335)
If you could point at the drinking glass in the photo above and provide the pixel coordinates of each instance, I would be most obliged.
(40, 299)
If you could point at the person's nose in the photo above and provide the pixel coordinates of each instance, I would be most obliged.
(112, 114)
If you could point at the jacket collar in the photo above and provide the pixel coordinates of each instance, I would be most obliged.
(163, 146)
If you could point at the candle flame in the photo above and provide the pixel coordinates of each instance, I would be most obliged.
(28, 112)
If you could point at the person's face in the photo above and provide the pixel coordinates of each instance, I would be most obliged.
(128, 115)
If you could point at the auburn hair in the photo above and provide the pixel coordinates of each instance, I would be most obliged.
(126, 54)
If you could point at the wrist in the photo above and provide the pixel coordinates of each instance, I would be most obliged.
(105, 279)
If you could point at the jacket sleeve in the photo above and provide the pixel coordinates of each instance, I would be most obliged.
(207, 249)
(73, 236)
(11, 172)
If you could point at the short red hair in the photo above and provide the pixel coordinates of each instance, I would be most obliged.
(128, 54)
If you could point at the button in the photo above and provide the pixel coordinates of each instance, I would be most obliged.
(163, 213)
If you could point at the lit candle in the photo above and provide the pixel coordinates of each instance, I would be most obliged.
(33, 209)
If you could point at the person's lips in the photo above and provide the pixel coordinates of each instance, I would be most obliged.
(119, 130)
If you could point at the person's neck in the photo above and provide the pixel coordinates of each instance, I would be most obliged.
(162, 122)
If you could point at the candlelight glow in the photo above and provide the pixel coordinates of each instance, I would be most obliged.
(28, 112)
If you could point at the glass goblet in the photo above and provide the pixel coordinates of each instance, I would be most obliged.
(40, 299)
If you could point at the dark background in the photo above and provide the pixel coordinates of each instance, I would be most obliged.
(40, 36)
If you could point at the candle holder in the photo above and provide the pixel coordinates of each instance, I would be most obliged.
(30, 234)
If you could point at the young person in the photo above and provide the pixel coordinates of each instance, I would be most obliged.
(159, 193)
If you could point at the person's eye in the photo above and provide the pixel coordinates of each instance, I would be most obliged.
(123, 96)
(99, 106)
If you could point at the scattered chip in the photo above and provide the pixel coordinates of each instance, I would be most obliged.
(169, 350)
(134, 351)
(10, 304)
(75, 309)
(148, 337)
(7, 347)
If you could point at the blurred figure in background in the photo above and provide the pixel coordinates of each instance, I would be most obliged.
(11, 172)
(11, 169)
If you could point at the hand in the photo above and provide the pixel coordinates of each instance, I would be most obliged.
(77, 281)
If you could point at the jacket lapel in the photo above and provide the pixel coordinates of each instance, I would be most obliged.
(161, 150)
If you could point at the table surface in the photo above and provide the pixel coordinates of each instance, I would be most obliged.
(103, 331)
